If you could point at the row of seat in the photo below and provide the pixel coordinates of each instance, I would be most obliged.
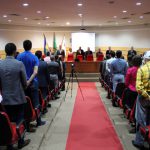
(10, 133)
(117, 98)
(70, 58)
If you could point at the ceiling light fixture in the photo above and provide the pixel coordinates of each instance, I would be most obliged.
(38, 12)
(25, 4)
(116, 23)
(67, 23)
(129, 21)
(138, 3)
(141, 17)
(9, 20)
(80, 15)
(124, 11)
(25, 18)
(48, 24)
(39, 23)
(115, 17)
(47, 17)
(4, 16)
(79, 4)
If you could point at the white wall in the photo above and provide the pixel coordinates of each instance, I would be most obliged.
(118, 37)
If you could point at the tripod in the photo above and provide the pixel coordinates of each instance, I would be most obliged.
(72, 74)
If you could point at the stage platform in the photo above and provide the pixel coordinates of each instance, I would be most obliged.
(83, 67)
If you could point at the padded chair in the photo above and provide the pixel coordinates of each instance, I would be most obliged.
(100, 58)
(79, 57)
(31, 114)
(70, 57)
(89, 58)
(10, 133)
(117, 96)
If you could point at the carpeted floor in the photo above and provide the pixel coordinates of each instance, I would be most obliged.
(91, 127)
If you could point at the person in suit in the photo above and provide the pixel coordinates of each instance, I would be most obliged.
(108, 52)
(80, 51)
(61, 52)
(132, 52)
(43, 75)
(88, 52)
(53, 69)
(31, 64)
(12, 84)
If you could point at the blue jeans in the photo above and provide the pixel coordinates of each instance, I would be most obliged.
(142, 118)
(117, 78)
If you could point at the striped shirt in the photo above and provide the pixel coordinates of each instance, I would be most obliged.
(143, 80)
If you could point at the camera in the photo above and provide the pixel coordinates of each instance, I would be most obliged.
(72, 65)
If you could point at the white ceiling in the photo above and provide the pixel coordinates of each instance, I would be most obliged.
(95, 12)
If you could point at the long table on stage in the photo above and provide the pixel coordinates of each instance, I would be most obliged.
(83, 67)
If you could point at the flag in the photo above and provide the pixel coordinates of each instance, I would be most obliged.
(46, 47)
(63, 43)
(54, 43)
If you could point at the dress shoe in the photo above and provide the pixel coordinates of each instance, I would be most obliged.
(25, 143)
(141, 147)
(57, 97)
(31, 130)
(132, 131)
(49, 105)
(41, 123)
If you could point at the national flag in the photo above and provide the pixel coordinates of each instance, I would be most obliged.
(54, 43)
(63, 43)
(46, 47)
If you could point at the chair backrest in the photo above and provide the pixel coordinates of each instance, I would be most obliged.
(80, 57)
(5, 129)
(100, 57)
(70, 57)
(120, 89)
(41, 100)
(29, 110)
(89, 58)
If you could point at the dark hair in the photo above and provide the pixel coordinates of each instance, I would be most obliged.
(137, 60)
(118, 54)
(27, 45)
(112, 53)
(56, 57)
(107, 56)
(10, 49)
(38, 54)
(48, 54)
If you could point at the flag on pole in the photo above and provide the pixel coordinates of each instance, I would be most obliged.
(63, 43)
(54, 43)
(46, 47)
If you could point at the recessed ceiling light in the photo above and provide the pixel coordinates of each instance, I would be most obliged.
(25, 18)
(138, 3)
(100, 24)
(116, 23)
(80, 15)
(129, 21)
(38, 12)
(67, 23)
(124, 11)
(141, 17)
(4, 16)
(9, 20)
(114, 16)
(47, 17)
(48, 24)
(39, 22)
(25, 4)
(79, 4)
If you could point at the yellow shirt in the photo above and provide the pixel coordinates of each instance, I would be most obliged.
(143, 80)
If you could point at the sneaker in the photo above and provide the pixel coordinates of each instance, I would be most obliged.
(25, 143)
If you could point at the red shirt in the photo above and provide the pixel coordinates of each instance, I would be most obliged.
(130, 79)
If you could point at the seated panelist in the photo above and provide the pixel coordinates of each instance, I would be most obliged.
(80, 52)
(88, 52)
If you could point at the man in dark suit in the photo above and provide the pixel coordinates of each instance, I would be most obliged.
(61, 52)
(43, 75)
(53, 69)
(12, 84)
(88, 52)
(108, 52)
(132, 52)
(80, 52)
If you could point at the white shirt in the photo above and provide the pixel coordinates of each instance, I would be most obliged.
(108, 63)
(47, 59)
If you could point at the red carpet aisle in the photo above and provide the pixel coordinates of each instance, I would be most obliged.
(91, 128)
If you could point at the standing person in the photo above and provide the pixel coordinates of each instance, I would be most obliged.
(142, 114)
(61, 52)
(132, 52)
(88, 52)
(43, 75)
(118, 70)
(31, 64)
(108, 52)
(80, 51)
(12, 84)
(47, 58)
